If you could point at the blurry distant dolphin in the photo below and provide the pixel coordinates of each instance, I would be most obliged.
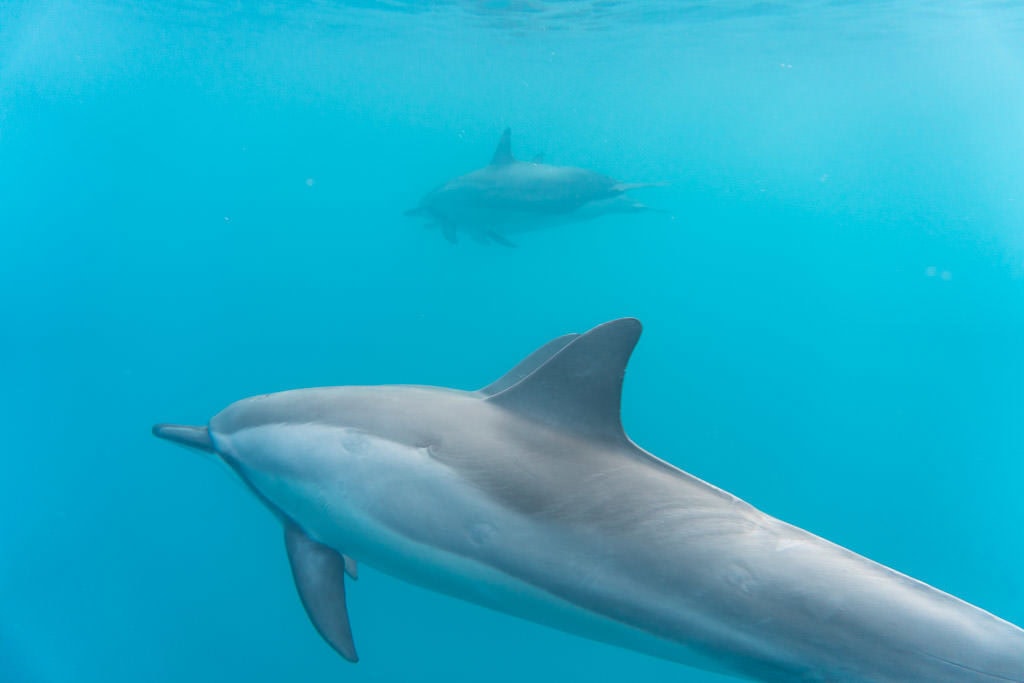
(527, 497)
(510, 196)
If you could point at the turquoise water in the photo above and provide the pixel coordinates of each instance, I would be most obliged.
(200, 203)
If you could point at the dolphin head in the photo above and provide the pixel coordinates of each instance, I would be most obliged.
(256, 439)
(288, 451)
(288, 447)
(215, 437)
(245, 436)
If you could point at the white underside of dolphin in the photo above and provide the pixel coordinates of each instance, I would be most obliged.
(527, 497)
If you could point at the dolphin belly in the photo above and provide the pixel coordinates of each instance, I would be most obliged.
(437, 531)
(726, 588)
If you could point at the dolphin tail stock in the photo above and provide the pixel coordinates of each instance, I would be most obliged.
(640, 207)
(626, 187)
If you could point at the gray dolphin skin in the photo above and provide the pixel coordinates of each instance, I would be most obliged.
(528, 497)
(509, 196)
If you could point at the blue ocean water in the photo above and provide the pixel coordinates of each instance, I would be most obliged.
(202, 202)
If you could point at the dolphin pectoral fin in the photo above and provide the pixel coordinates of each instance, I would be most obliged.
(319, 574)
(501, 239)
(448, 230)
(537, 158)
(185, 435)
(351, 568)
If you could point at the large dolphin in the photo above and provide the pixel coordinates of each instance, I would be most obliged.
(509, 196)
(527, 497)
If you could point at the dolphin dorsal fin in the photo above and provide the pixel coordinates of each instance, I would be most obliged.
(526, 366)
(503, 153)
(580, 387)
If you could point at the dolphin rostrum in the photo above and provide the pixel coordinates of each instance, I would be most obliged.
(509, 196)
(527, 496)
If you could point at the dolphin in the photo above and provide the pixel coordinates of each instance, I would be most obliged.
(509, 196)
(528, 497)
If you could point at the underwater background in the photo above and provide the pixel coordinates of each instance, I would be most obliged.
(204, 201)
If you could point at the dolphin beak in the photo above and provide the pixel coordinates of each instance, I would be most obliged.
(186, 435)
